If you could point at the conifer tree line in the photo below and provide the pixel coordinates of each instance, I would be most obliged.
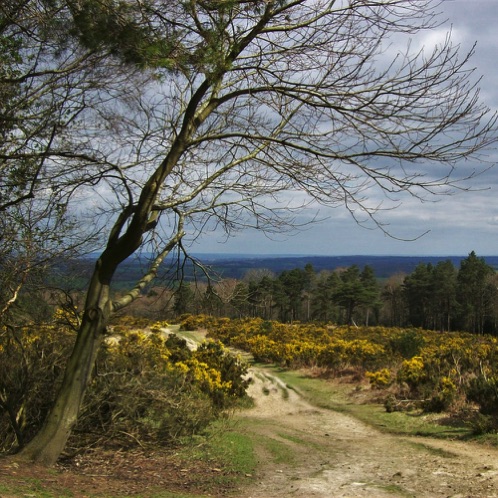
(436, 297)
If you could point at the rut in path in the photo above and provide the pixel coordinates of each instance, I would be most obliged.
(305, 451)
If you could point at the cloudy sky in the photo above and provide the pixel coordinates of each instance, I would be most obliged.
(455, 225)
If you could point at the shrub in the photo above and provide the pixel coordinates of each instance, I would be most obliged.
(149, 388)
(484, 391)
(442, 398)
(232, 372)
(412, 372)
(483, 424)
(146, 387)
(363, 353)
(196, 322)
(432, 368)
(32, 360)
(380, 379)
(408, 343)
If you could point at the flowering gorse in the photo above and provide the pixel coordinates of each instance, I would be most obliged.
(434, 370)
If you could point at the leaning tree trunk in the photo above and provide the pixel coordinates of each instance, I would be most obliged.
(134, 221)
(48, 444)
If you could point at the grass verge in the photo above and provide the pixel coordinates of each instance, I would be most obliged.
(338, 396)
(225, 446)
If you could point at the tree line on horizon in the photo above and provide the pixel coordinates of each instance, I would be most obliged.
(434, 297)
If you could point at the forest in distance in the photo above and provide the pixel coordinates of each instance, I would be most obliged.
(438, 294)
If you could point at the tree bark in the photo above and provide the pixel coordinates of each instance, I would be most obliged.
(49, 443)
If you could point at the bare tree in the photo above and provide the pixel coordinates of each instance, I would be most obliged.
(262, 99)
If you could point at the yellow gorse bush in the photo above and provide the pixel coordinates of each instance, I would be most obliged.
(380, 379)
(298, 345)
(433, 367)
(209, 378)
(412, 371)
(157, 387)
(67, 317)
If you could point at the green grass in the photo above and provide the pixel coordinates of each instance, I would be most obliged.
(227, 446)
(274, 446)
(335, 396)
(294, 439)
(279, 451)
(235, 451)
(31, 488)
(409, 423)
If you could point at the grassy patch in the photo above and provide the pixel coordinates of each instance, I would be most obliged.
(300, 441)
(489, 439)
(225, 446)
(293, 439)
(317, 391)
(28, 488)
(406, 423)
(278, 451)
(269, 442)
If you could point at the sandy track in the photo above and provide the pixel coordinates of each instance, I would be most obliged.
(323, 453)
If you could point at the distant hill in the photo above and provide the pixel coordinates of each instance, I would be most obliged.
(235, 266)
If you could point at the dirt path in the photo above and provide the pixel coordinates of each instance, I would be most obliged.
(310, 452)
